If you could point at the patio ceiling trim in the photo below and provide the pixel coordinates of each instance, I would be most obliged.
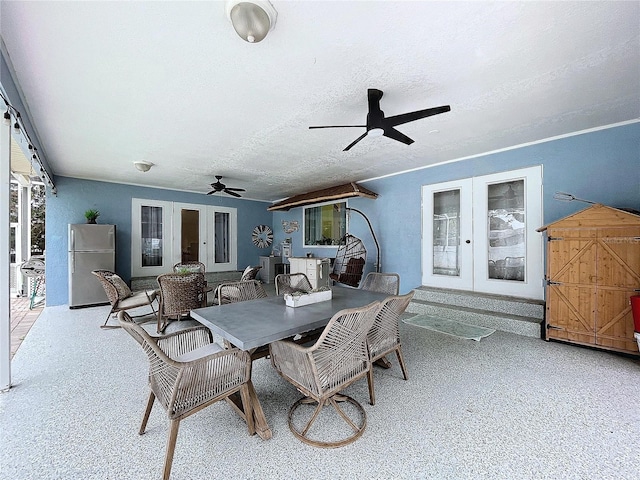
(347, 190)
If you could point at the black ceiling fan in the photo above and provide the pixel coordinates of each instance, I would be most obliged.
(378, 125)
(221, 187)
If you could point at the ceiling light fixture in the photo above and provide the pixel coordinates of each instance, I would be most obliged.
(143, 166)
(252, 20)
(375, 132)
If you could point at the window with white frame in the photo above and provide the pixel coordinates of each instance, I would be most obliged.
(324, 225)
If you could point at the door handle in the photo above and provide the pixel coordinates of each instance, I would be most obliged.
(467, 241)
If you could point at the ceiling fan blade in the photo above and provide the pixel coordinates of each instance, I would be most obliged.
(236, 189)
(355, 141)
(234, 194)
(339, 126)
(212, 192)
(396, 135)
(411, 116)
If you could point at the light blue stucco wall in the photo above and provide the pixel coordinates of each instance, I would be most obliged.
(601, 166)
(114, 203)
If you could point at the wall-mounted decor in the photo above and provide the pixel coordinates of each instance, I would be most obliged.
(262, 236)
(290, 226)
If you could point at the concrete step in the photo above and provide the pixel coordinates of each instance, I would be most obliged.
(482, 301)
(509, 314)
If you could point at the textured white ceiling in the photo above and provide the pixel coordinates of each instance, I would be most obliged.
(110, 83)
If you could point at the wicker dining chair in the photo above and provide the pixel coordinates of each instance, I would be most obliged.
(292, 283)
(321, 371)
(179, 294)
(242, 291)
(189, 266)
(384, 336)
(188, 371)
(122, 298)
(388, 283)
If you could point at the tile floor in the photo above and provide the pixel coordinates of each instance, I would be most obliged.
(22, 319)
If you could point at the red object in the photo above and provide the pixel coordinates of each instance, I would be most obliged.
(635, 308)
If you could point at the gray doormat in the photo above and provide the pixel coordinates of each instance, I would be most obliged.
(449, 327)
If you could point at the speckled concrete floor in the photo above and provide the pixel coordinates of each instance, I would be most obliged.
(507, 407)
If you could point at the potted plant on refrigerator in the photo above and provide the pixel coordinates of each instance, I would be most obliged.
(91, 215)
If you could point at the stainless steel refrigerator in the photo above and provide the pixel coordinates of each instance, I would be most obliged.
(91, 247)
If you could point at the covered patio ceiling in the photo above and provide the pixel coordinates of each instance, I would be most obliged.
(107, 84)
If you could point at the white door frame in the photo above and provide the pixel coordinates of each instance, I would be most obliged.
(474, 236)
(171, 231)
(533, 284)
(463, 281)
(177, 229)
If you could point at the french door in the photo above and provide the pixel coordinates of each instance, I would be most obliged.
(479, 234)
(165, 233)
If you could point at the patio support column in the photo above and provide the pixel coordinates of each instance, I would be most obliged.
(23, 236)
(5, 301)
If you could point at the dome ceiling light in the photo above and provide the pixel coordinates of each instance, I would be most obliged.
(252, 20)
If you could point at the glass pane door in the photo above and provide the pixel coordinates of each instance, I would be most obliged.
(221, 234)
(446, 233)
(508, 254)
(190, 235)
(480, 234)
(447, 221)
(505, 224)
(152, 228)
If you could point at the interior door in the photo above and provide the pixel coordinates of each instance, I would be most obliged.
(190, 227)
(222, 235)
(479, 234)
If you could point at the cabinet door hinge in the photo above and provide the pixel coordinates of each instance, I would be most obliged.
(553, 327)
(551, 239)
(551, 282)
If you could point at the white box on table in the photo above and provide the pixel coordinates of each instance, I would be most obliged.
(307, 298)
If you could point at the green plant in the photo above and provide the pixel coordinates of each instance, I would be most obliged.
(91, 214)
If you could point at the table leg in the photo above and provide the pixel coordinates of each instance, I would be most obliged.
(262, 427)
(383, 362)
(259, 420)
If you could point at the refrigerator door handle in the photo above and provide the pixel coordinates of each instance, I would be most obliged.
(73, 261)
(73, 241)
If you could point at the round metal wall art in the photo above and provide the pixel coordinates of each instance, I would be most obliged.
(262, 236)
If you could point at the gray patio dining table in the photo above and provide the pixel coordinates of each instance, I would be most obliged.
(254, 323)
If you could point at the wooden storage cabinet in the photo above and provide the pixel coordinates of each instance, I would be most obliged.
(593, 268)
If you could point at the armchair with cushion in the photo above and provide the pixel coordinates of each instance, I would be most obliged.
(188, 372)
(250, 273)
(121, 297)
